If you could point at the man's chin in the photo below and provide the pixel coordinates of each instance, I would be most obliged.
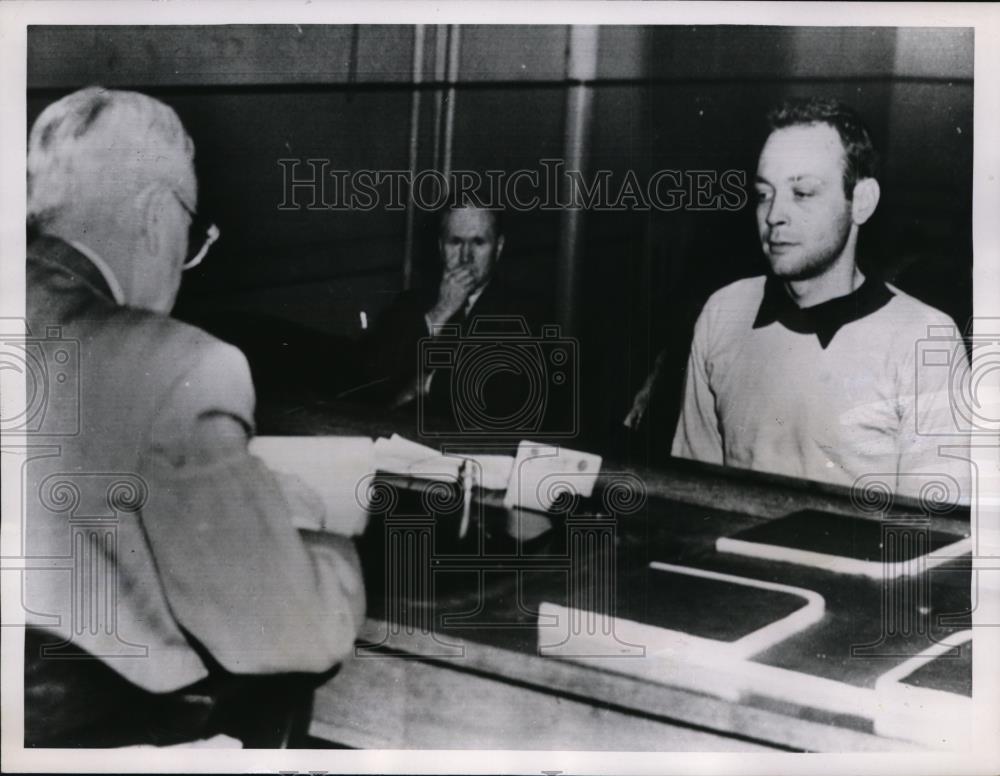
(789, 269)
(784, 268)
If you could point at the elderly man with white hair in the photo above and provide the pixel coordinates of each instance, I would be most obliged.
(188, 581)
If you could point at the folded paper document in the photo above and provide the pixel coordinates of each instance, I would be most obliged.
(397, 455)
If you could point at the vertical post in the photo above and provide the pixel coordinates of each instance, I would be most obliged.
(581, 69)
(440, 69)
(454, 43)
(418, 78)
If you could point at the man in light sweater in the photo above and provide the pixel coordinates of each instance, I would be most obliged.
(811, 371)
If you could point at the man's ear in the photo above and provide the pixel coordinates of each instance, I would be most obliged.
(866, 196)
(153, 203)
(499, 247)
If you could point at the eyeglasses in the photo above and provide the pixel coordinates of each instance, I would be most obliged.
(201, 232)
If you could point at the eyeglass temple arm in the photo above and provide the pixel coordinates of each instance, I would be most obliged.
(211, 237)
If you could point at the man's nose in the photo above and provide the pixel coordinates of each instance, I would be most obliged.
(465, 253)
(777, 211)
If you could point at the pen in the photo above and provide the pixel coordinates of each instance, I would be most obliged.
(466, 498)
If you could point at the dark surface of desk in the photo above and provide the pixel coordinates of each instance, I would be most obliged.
(453, 628)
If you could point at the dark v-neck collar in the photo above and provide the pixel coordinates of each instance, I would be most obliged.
(824, 319)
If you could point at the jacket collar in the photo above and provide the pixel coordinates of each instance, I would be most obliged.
(52, 250)
(106, 272)
(824, 319)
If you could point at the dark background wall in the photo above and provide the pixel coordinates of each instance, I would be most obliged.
(682, 98)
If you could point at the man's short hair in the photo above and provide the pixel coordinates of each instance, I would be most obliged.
(860, 157)
(95, 139)
(496, 215)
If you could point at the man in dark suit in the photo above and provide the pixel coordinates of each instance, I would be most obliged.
(189, 578)
(462, 350)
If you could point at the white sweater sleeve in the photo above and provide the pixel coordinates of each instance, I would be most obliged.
(698, 436)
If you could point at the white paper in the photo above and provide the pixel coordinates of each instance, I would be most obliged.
(336, 468)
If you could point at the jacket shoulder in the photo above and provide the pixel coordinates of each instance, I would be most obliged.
(199, 372)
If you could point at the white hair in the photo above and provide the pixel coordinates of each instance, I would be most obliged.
(99, 144)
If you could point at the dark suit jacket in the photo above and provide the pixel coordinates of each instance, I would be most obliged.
(490, 367)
